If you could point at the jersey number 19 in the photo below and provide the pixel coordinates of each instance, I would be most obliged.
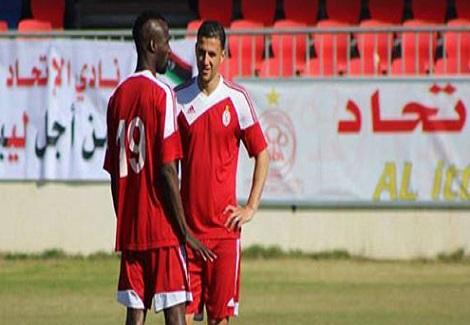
(137, 163)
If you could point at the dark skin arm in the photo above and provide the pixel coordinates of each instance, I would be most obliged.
(176, 212)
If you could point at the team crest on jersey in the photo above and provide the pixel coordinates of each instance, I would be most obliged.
(226, 116)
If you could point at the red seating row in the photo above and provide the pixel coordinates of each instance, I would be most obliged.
(290, 52)
(347, 11)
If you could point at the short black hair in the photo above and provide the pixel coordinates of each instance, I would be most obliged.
(138, 30)
(212, 28)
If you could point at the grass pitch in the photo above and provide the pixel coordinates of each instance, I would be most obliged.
(274, 291)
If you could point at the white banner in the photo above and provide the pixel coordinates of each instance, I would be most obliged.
(54, 95)
(329, 141)
(344, 141)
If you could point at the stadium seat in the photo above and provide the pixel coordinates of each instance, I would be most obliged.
(262, 11)
(49, 10)
(317, 67)
(417, 50)
(332, 48)
(446, 66)
(347, 11)
(289, 51)
(433, 12)
(220, 10)
(192, 27)
(457, 44)
(277, 68)
(462, 8)
(10, 11)
(302, 11)
(375, 49)
(31, 25)
(387, 11)
(246, 51)
(402, 66)
(3, 26)
(361, 67)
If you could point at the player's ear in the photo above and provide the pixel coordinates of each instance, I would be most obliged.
(222, 56)
(152, 46)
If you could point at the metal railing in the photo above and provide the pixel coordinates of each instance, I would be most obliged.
(352, 52)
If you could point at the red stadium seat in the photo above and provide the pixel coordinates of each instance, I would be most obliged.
(417, 50)
(262, 11)
(446, 66)
(220, 10)
(318, 68)
(387, 11)
(31, 25)
(290, 47)
(433, 12)
(192, 27)
(246, 51)
(3, 26)
(277, 68)
(401, 66)
(49, 10)
(361, 67)
(332, 47)
(462, 8)
(289, 51)
(375, 48)
(302, 11)
(347, 11)
(457, 44)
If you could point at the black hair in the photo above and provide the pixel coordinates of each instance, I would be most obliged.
(138, 30)
(212, 28)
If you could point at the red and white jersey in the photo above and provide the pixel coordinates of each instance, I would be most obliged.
(211, 128)
(142, 136)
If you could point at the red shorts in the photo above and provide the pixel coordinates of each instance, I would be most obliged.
(158, 274)
(215, 285)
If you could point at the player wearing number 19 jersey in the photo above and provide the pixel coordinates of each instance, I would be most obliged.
(143, 145)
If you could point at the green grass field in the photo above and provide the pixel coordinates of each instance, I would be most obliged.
(274, 291)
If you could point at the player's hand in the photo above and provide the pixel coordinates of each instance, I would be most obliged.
(200, 248)
(238, 216)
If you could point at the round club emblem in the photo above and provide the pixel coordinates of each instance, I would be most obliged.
(226, 116)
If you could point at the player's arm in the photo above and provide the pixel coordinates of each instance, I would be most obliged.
(175, 209)
(242, 214)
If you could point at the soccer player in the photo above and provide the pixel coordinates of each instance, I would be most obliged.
(215, 116)
(143, 145)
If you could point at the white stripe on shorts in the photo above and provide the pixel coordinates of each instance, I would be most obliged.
(166, 300)
(130, 298)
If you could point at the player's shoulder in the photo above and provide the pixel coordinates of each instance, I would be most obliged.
(138, 79)
(237, 93)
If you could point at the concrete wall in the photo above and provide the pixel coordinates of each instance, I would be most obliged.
(79, 218)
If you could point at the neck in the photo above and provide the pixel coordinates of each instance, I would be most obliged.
(208, 87)
(143, 63)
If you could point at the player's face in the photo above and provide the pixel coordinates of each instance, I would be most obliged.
(163, 49)
(209, 56)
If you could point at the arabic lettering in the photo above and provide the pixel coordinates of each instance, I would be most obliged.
(88, 150)
(413, 115)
